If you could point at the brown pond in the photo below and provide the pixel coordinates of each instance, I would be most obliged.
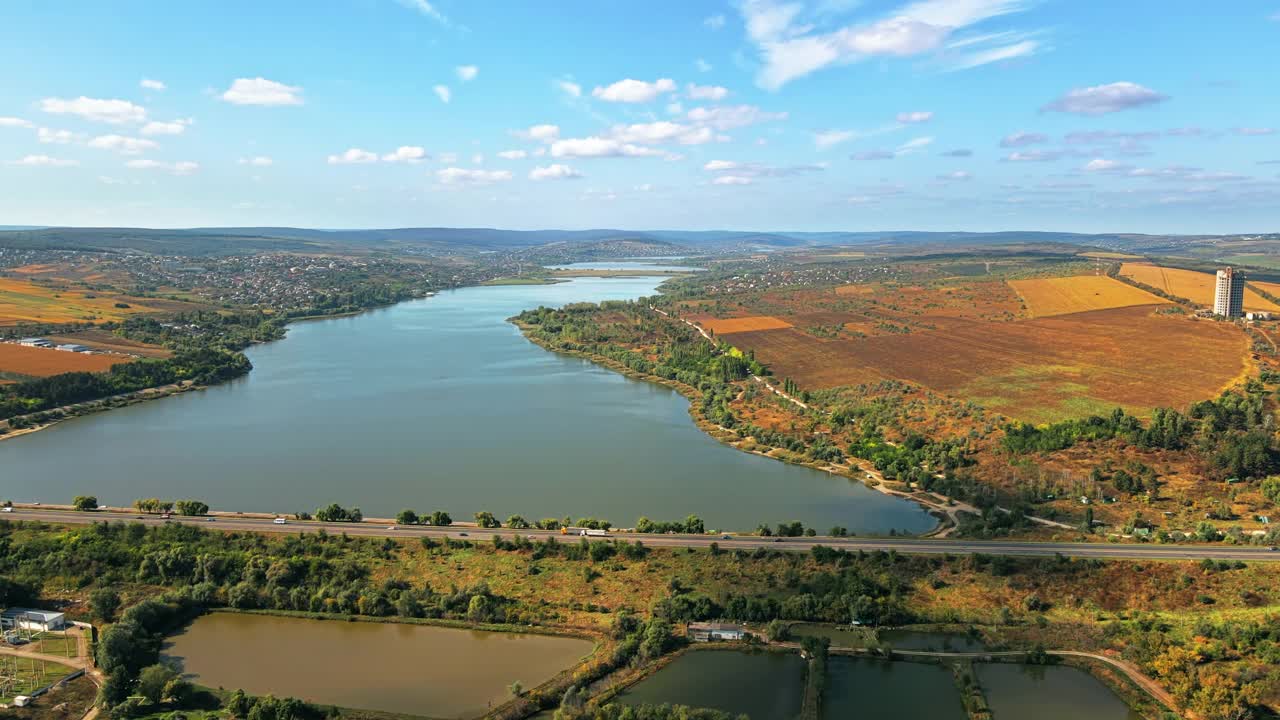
(414, 669)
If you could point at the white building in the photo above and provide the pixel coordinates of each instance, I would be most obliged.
(707, 632)
(28, 619)
(1228, 294)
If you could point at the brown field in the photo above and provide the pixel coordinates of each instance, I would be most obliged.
(1194, 286)
(108, 342)
(1109, 255)
(744, 324)
(1035, 370)
(1269, 287)
(1064, 295)
(42, 362)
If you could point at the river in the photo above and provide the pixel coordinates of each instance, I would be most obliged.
(436, 404)
(414, 669)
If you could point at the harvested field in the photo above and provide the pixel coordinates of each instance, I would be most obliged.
(1194, 286)
(43, 362)
(108, 342)
(744, 324)
(1035, 370)
(1081, 293)
(22, 301)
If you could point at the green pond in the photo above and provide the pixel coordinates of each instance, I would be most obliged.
(437, 404)
(766, 686)
(419, 670)
(869, 689)
(1054, 692)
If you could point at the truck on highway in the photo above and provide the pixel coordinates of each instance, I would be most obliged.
(584, 532)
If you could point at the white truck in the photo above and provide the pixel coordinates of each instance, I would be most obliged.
(588, 532)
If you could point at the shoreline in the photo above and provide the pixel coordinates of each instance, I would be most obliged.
(946, 516)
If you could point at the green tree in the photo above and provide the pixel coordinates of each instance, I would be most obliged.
(407, 517)
(517, 522)
(152, 682)
(85, 502)
(485, 519)
(1271, 489)
(103, 603)
(441, 517)
(192, 507)
(517, 688)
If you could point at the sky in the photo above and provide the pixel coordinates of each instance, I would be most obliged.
(1157, 116)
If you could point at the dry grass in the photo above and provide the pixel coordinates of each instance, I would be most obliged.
(1194, 286)
(42, 362)
(744, 324)
(1046, 297)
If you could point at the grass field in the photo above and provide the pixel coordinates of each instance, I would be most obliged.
(23, 301)
(21, 676)
(744, 324)
(42, 362)
(1194, 286)
(1046, 297)
(1035, 370)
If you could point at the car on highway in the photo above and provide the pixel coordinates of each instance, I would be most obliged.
(391, 527)
(726, 537)
(6, 509)
(461, 534)
(210, 519)
(279, 521)
(777, 540)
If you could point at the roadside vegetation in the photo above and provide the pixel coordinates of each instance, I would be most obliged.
(1202, 629)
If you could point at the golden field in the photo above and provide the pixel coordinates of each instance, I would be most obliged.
(1046, 297)
(1189, 284)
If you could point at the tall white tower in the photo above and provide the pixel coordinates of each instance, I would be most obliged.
(1228, 295)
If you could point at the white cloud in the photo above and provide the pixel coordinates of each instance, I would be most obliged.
(177, 127)
(109, 111)
(956, 176)
(57, 137)
(123, 145)
(44, 161)
(915, 144)
(719, 165)
(256, 161)
(790, 49)
(477, 159)
(1023, 139)
(996, 54)
(513, 154)
(425, 8)
(595, 147)
(464, 176)
(644, 187)
(715, 22)
(714, 93)
(656, 133)
(184, 167)
(733, 116)
(1254, 131)
(634, 91)
(751, 171)
(540, 133)
(1103, 99)
(442, 92)
(15, 122)
(824, 139)
(732, 180)
(918, 116)
(260, 91)
(554, 172)
(570, 88)
(702, 65)
(1103, 165)
(149, 84)
(467, 73)
(353, 156)
(406, 154)
(874, 155)
(1033, 156)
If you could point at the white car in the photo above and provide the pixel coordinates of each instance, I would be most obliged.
(280, 521)
(6, 509)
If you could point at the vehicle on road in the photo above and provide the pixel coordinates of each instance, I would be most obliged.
(166, 516)
(461, 534)
(777, 539)
(391, 527)
(6, 509)
(210, 519)
(726, 537)
(280, 521)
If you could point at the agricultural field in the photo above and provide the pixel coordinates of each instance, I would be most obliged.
(1189, 284)
(745, 324)
(1038, 370)
(22, 361)
(109, 342)
(26, 301)
(1046, 297)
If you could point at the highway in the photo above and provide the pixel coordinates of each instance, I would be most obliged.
(247, 523)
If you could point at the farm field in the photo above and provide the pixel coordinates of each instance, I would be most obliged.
(1046, 297)
(109, 342)
(1038, 370)
(744, 324)
(43, 362)
(24, 301)
(1194, 286)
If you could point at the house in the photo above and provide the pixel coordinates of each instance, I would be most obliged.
(709, 632)
(73, 347)
(35, 342)
(28, 619)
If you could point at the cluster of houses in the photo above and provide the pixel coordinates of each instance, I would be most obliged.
(49, 344)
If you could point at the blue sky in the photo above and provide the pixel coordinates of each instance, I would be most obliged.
(1082, 115)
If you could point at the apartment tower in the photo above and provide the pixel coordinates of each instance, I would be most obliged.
(1228, 296)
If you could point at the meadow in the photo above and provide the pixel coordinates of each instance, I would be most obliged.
(23, 301)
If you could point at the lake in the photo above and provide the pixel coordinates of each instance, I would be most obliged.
(767, 686)
(1053, 692)
(437, 404)
(414, 669)
(878, 690)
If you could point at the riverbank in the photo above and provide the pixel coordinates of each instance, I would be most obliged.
(945, 513)
(90, 407)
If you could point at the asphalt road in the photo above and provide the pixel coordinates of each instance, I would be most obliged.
(748, 542)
